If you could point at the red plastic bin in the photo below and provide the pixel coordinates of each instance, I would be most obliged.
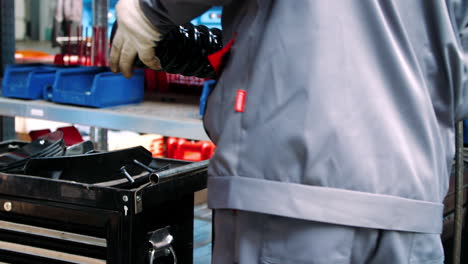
(183, 149)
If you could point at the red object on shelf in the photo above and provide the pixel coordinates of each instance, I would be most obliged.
(83, 50)
(71, 135)
(157, 147)
(33, 56)
(162, 81)
(183, 149)
(35, 134)
(69, 49)
(155, 81)
(184, 80)
(58, 59)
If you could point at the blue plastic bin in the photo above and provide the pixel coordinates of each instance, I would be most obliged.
(211, 18)
(76, 80)
(97, 87)
(27, 81)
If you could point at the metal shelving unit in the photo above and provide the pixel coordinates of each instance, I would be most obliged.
(169, 119)
(7, 56)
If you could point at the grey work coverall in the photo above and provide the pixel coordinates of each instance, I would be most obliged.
(344, 150)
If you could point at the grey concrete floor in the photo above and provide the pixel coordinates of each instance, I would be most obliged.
(202, 235)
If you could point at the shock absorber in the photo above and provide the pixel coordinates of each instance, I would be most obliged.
(184, 50)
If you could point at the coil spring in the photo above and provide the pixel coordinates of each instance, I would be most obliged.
(185, 49)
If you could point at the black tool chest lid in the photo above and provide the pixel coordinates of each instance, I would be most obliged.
(178, 178)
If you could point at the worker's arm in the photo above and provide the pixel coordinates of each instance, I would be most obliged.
(164, 14)
(143, 22)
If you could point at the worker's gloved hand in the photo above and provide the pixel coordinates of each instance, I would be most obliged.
(135, 36)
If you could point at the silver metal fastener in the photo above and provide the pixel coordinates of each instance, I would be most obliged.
(7, 206)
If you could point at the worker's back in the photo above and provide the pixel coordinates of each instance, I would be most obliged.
(354, 95)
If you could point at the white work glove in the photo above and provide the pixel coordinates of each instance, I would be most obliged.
(135, 35)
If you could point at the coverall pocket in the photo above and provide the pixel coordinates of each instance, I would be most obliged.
(289, 241)
(426, 249)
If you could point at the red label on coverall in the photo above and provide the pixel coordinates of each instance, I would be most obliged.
(240, 101)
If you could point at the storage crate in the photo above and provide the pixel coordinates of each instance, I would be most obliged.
(97, 87)
(183, 149)
(27, 81)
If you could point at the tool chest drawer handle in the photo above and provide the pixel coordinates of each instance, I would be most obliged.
(160, 245)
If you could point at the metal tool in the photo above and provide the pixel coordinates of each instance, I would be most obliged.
(193, 168)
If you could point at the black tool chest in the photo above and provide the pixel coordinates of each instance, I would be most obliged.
(55, 221)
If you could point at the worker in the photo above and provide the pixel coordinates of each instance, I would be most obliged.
(334, 123)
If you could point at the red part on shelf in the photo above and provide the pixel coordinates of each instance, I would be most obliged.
(183, 149)
(94, 51)
(157, 147)
(71, 135)
(78, 42)
(155, 81)
(58, 59)
(69, 44)
(35, 134)
(161, 81)
(184, 80)
(171, 147)
(87, 49)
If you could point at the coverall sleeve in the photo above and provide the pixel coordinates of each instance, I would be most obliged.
(164, 14)
(459, 10)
